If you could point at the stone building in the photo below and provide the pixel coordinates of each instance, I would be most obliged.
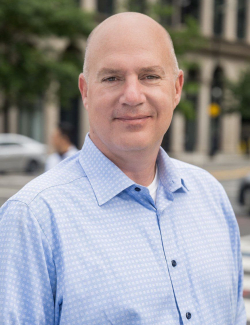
(226, 26)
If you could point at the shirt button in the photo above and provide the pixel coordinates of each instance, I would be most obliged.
(137, 189)
(188, 315)
(174, 263)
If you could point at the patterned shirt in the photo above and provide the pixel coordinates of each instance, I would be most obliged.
(84, 245)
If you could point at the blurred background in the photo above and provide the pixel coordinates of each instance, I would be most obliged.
(41, 55)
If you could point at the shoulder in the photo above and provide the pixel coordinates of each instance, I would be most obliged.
(60, 176)
(199, 179)
(204, 189)
(72, 150)
(52, 161)
(187, 170)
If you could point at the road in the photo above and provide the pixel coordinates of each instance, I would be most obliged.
(10, 184)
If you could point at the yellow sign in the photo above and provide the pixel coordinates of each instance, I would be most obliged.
(214, 110)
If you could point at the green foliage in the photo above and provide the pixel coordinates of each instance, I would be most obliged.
(161, 12)
(27, 65)
(237, 97)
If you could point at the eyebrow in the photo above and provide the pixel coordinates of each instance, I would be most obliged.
(151, 69)
(107, 71)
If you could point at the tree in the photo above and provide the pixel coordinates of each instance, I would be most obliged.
(29, 59)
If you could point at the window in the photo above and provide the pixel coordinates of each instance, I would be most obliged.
(241, 19)
(31, 121)
(215, 114)
(105, 7)
(138, 5)
(190, 8)
(191, 124)
(218, 17)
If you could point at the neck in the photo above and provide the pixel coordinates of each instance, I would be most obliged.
(139, 165)
(140, 171)
(138, 168)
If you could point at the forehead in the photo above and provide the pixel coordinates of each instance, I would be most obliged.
(124, 61)
(121, 42)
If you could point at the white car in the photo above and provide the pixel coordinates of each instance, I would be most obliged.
(20, 153)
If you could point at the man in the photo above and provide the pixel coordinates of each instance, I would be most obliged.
(62, 141)
(92, 241)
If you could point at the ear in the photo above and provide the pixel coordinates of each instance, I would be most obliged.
(83, 87)
(178, 87)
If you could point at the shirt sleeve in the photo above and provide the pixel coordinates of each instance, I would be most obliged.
(240, 318)
(27, 270)
(240, 312)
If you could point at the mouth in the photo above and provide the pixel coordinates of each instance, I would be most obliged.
(132, 118)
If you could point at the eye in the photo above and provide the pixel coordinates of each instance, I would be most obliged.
(150, 77)
(109, 79)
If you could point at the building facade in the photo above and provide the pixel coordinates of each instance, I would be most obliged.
(226, 26)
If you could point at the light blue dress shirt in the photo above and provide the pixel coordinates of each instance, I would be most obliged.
(84, 245)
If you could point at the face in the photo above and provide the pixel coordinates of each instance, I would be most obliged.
(131, 92)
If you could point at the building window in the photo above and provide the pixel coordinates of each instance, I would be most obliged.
(105, 7)
(218, 17)
(190, 8)
(138, 5)
(215, 111)
(241, 16)
(31, 120)
(71, 115)
(191, 124)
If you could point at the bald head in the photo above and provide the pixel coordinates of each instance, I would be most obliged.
(130, 27)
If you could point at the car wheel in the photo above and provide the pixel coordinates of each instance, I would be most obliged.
(32, 166)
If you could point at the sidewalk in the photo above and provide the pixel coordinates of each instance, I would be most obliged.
(222, 167)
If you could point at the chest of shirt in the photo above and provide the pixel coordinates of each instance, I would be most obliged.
(118, 261)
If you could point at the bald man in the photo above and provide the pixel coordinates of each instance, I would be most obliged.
(120, 233)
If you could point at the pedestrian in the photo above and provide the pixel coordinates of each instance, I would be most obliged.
(63, 142)
(121, 233)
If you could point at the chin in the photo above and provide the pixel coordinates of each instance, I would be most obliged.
(133, 145)
(137, 141)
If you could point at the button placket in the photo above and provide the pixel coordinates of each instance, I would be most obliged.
(178, 276)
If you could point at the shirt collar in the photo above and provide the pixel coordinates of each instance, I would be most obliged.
(107, 180)
(169, 175)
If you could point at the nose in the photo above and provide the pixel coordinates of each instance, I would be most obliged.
(132, 94)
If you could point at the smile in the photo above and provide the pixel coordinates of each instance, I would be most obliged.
(134, 118)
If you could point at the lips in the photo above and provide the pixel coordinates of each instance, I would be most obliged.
(132, 118)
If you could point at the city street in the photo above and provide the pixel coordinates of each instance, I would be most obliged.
(229, 178)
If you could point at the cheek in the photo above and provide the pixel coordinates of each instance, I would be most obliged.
(100, 100)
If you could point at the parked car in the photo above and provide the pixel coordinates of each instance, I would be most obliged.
(20, 153)
(244, 193)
